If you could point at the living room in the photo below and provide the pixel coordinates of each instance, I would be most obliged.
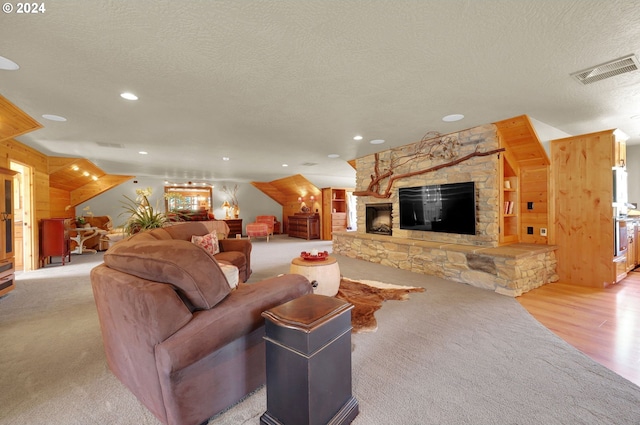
(193, 123)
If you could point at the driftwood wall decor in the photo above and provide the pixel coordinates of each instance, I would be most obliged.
(432, 146)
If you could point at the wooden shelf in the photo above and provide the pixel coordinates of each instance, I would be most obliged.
(509, 202)
(334, 209)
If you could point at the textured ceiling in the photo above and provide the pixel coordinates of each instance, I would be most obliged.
(273, 82)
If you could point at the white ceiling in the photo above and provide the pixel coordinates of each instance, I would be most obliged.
(273, 82)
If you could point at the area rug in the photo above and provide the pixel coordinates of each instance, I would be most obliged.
(367, 296)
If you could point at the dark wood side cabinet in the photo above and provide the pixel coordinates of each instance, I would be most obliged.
(308, 356)
(7, 260)
(305, 226)
(54, 240)
(235, 226)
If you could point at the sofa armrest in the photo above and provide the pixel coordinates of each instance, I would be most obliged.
(240, 245)
(237, 315)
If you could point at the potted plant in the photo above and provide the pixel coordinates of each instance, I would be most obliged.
(141, 215)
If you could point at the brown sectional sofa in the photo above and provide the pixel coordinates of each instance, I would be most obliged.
(174, 332)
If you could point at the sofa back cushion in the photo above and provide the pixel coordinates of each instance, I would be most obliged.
(184, 231)
(194, 273)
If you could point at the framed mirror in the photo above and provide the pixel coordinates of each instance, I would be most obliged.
(181, 199)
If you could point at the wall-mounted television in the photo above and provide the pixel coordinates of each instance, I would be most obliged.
(447, 208)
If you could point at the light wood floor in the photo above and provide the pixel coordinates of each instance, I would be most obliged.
(602, 323)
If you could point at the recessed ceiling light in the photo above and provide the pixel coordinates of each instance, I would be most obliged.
(8, 64)
(376, 141)
(357, 137)
(51, 117)
(128, 96)
(452, 117)
(285, 165)
(143, 153)
(225, 158)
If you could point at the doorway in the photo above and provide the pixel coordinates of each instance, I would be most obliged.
(23, 214)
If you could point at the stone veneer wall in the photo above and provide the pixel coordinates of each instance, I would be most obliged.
(473, 259)
(482, 170)
(510, 270)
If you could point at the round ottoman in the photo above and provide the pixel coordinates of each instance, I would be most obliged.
(326, 272)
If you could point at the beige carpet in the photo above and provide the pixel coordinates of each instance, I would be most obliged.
(454, 354)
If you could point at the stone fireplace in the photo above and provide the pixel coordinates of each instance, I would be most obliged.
(476, 259)
(378, 219)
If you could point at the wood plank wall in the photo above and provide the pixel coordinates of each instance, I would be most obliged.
(12, 150)
(582, 181)
(534, 187)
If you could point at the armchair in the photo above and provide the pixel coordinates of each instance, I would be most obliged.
(175, 333)
(271, 221)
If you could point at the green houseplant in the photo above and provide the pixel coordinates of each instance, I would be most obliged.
(141, 215)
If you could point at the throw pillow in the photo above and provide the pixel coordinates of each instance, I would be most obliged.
(208, 242)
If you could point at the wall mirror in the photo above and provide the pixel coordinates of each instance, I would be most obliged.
(183, 198)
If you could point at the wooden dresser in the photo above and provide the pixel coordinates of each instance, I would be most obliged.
(235, 226)
(305, 226)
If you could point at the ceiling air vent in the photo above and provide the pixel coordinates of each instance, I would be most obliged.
(309, 164)
(110, 145)
(606, 70)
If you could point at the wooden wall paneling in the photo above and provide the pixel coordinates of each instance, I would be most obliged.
(534, 187)
(16, 151)
(60, 203)
(72, 173)
(14, 121)
(290, 207)
(95, 188)
(583, 213)
(521, 139)
(325, 229)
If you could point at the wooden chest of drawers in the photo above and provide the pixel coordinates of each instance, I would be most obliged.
(305, 226)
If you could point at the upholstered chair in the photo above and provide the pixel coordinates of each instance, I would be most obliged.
(271, 221)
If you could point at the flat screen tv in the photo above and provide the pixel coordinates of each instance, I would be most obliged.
(447, 208)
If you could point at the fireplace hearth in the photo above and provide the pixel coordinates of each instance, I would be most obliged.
(378, 219)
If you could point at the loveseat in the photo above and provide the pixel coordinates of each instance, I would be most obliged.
(174, 331)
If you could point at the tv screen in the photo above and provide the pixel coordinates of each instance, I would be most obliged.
(447, 208)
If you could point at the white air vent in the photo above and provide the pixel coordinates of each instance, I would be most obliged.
(110, 145)
(309, 164)
(606, 70)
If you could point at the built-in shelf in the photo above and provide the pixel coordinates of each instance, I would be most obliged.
(509, 200)
(334, 211)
